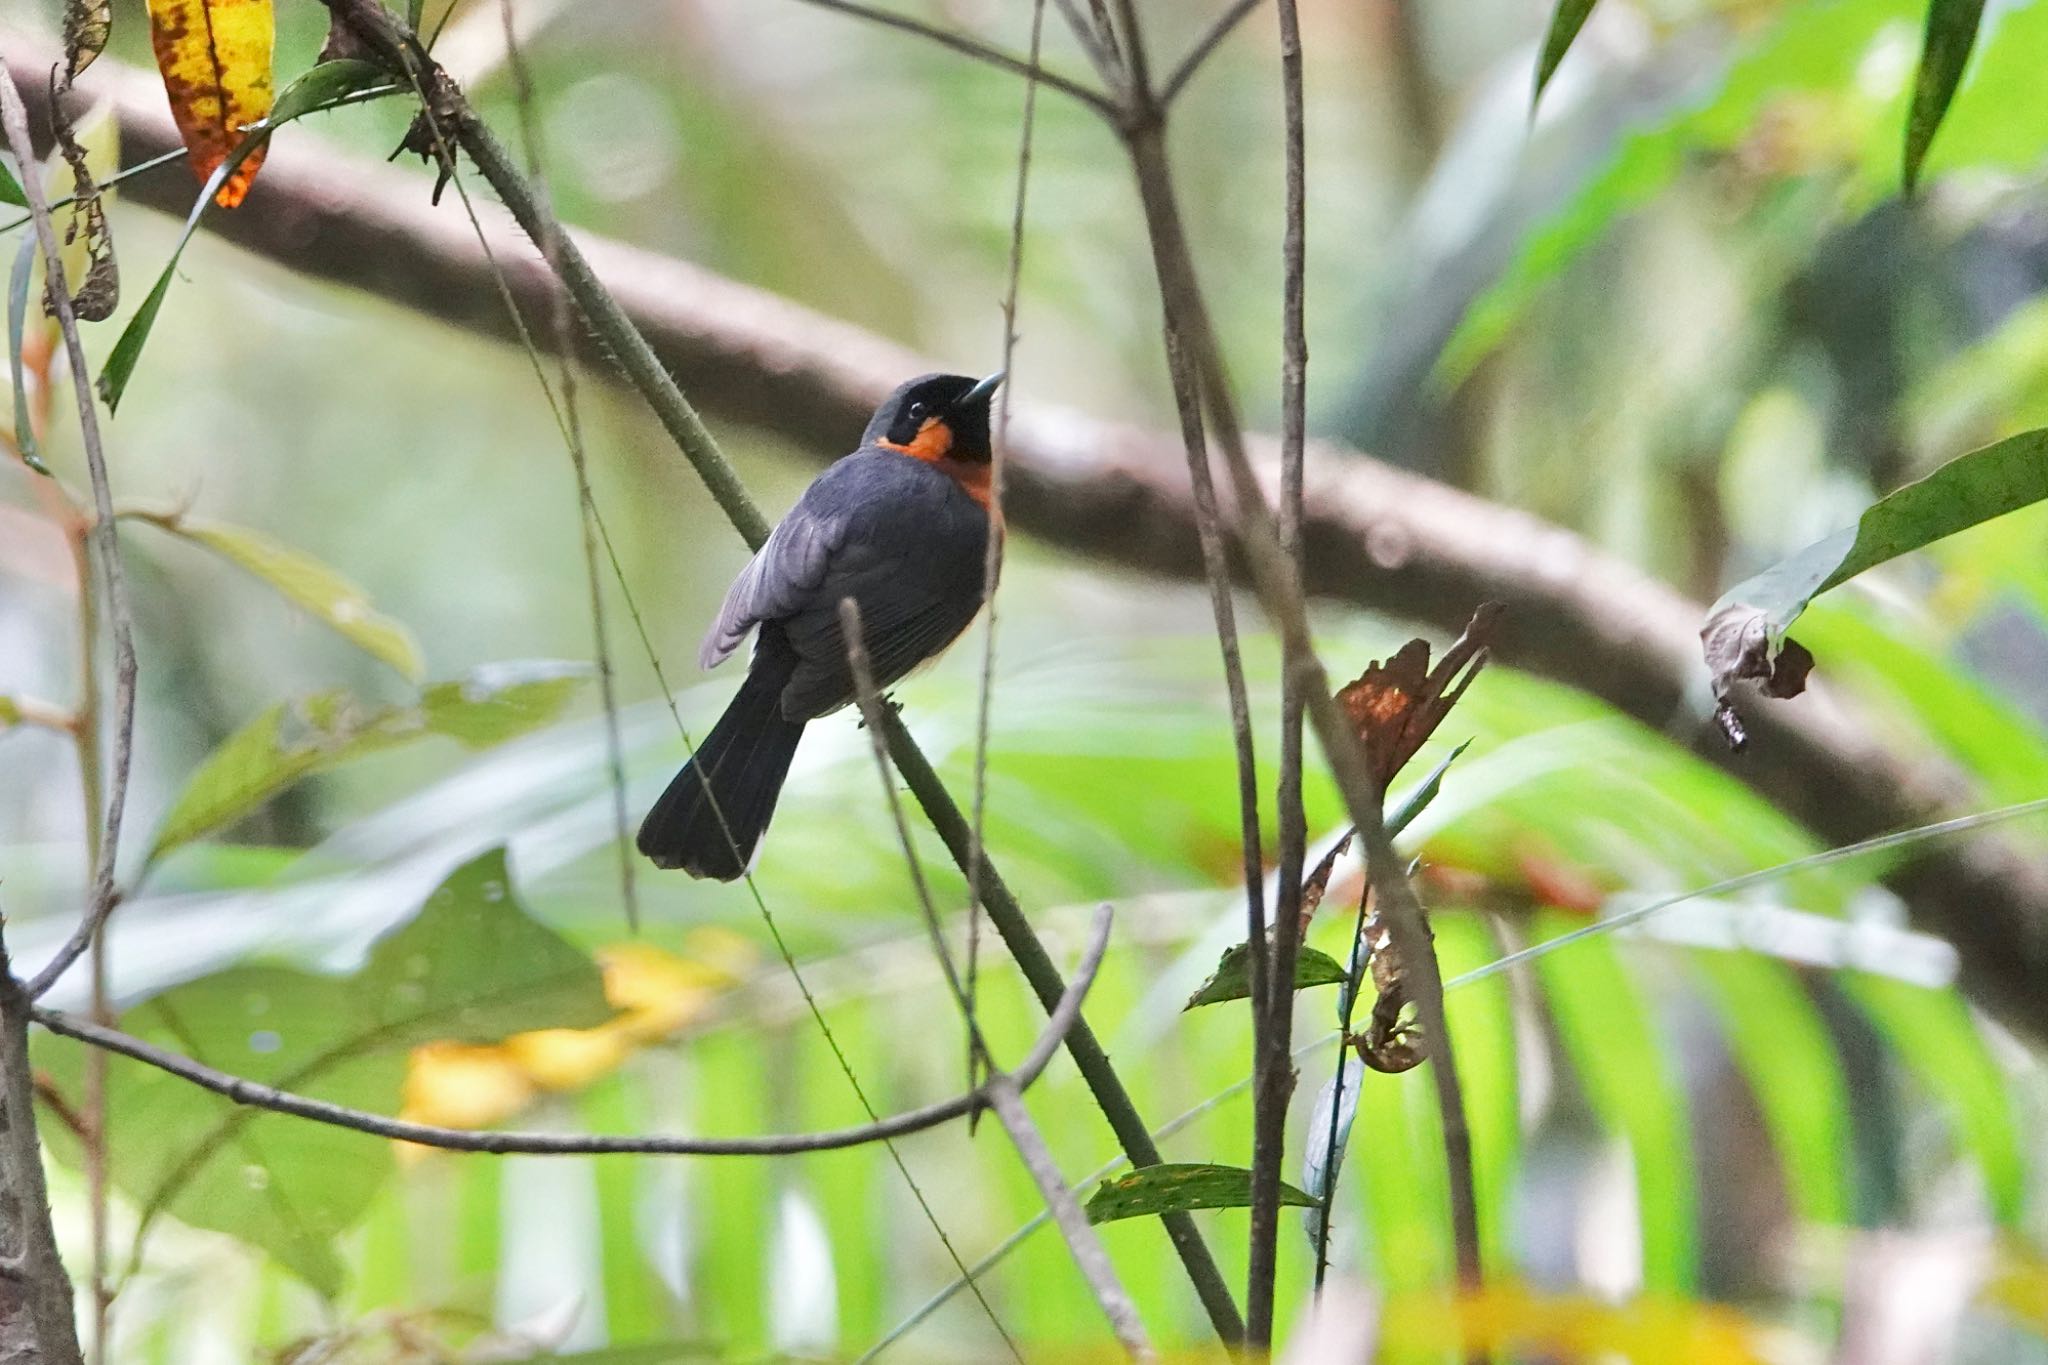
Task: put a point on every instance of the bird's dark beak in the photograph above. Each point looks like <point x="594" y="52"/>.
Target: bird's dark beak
<point x="981" y="392"/>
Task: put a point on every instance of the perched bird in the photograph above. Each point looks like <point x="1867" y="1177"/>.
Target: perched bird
<point x="901" y="526"/>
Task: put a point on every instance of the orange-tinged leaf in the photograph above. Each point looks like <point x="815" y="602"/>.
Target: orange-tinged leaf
<point x="568" y="1058"/>
<point x="656" y="992"/>
<point x="215" y="60"/>
<point x="463" y="1085"/>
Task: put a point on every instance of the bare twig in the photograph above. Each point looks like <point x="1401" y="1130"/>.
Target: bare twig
<point x="400" y="51"/>
<point x="106" y="548"/>
<point x="1080" y="1236"/>
<point x="1000" y="1089"/>
<point x="28" y="1243"/>
<point x="871" y="709"/>
<point x="572" y="423"/>
<point x="970" y="47"/>
<point x="1064" y="1017"/>
<point x="992" y="561"/>
<point x="100" y="542"/>
<point x="1273" y="1083"/>
<point x="1382" y="539"/>
<point x="1354" y="977"/>
<point x="1204" y="46"/>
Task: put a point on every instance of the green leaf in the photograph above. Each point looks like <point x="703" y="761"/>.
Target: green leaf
<point x="1417" y="800"/>
<point x="1177" y="1186"/>
<point x="1787" y="1057"/>
<point x="466" y="970"/>
<point x="1232" y="978"/>
<point x="1951" y="33"/>
<point x="17" y="322"/>
<point x="309" y="583"/>
<point x="1754" y="614"/>
<point x="120" y="366"/>
<point x="11" y="191"/>
<point x="1939" y="1044"/>
<point x="293" y="740"/>
<point x="1816" y="46"/>
<point x="1605" y="1027"/>
<point x="322" y="87"/>
<point x="1565" y="24"/>
<point x="471" y="966"/>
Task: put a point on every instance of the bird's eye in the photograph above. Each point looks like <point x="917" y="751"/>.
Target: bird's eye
<point x="917" y="411"/>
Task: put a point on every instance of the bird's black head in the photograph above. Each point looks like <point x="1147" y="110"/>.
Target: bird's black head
<point x="937" y="417"/>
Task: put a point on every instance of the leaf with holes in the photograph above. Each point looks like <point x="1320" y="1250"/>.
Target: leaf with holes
<point x="1178" y="1186"/>
<point x="1744" y="635"/>
<point x="470" y="966"/>
<point x="1951" y="33"/>
<point x="294" y="740"/>
<point x="215" y="60"/>
<point x="308" y="582"/>
<point x="87" y="23"/>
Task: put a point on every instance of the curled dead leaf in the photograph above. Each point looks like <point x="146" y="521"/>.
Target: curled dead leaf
<point x="87" y="24"/>
<point x="96" y="289"/>
<point x="1318" y="884"/>
<point x="1740" y="655"/>
<point x="1389" y="1044"/>
<point x="1397" y="705"/>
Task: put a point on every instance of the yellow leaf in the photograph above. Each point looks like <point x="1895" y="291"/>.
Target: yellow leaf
<point x="459" y="1085"/>
<point x="2019" y="1286"/>
<point x="1509" y="1319"/>
<point x="215" y="60"/>
<point x="568" y="1058"/>
<point x="656" y="992"/>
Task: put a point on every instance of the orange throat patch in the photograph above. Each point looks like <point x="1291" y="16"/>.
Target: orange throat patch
<point x="934" y="445"/>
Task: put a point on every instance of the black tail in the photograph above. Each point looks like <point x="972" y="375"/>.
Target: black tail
<point x="743" y="762"/>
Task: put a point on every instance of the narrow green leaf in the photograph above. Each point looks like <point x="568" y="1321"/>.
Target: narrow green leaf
<point x="471" y="966"/>
<point x="312" y="585"/>
<point x="1232" y="978"/>
<point x="1177" y="1186"/>
<point x="1605" y="1026"/>
<point x="1565" y="23"/>
<point x="293" y="740"/>
<point x="1417" y="801"/>
<point x="321" y="87"/>
<point x="1940" y="1046"/>
<point x="17" y="322"/>
<point x="1972" y="488"/>
<point x="1951" y="33"/>
<point x="120" y="366"/>
<point x="1788" y="1058"/>
<point x="11" y="191"/>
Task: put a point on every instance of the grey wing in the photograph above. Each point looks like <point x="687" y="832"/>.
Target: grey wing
<point x="911" y="608"/>
<point x="781" y="579"/>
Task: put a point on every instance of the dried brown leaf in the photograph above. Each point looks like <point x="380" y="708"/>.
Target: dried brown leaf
<point x="1397" y="705"/>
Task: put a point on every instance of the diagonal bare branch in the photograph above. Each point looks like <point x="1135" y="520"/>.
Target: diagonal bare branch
<point x="1378" y="538"/>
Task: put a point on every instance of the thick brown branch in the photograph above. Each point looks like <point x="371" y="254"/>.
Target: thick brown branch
<point x="1376" y="537"/>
